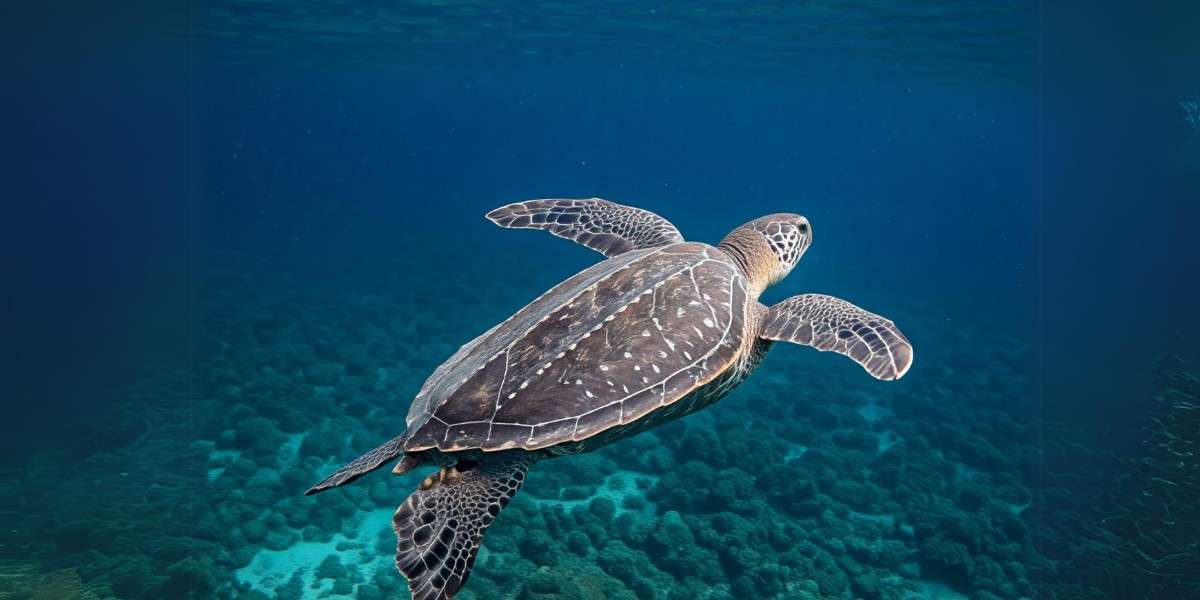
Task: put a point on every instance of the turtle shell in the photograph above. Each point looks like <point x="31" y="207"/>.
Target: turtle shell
<point x="611" y="345"/>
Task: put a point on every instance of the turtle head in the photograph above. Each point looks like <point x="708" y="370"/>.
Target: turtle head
<point x="767" y="248"/>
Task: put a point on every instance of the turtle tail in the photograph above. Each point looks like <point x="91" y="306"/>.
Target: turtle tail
<point x="439" y="527"/>
<point x="362" y="465"/>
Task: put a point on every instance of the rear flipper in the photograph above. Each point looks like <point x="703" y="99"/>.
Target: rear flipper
<point x="363" y="465"/>
<point x="438" y="528"/>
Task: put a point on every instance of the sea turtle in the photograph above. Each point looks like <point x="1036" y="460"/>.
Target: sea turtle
<point x="661" y="328"/>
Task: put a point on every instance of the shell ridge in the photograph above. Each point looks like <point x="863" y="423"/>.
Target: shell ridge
<point x="432" y="410"/>
<point x="471" y="433"/>
<point x="499" y="390"/>
<point x="662" y="382"/>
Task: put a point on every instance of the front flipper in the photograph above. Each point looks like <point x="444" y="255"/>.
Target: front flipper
<point x="603" y="226"/>
<point x="828" y="323"/>
<point x="438" y="528"/>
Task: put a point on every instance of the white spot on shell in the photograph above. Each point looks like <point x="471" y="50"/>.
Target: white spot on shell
<point x="709" y="323"/>
<point x="512" y="395"/>
<point x="637" y="367"/>
<point x="603" y="367"/>
<point x="645" y="333"/>
<point x="656" y="369"/>
<point x="589" y="393"/>
<point x="628" y="355"/>
<point x="578" y="382"/>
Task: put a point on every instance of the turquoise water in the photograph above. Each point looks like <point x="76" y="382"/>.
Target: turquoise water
<point x="246" y="232"/>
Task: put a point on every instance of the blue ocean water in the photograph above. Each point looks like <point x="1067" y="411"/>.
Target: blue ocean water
<point x="240" y="235"/>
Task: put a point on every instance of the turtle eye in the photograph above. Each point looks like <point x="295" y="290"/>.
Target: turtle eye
<point x="803" y="227"/>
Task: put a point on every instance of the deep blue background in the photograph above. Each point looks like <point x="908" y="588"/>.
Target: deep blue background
<point x="1056" y="204"/>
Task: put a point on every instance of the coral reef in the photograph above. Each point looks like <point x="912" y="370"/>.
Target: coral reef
<point x="1130" y="533"/>
<point x="1191" y="111"/>
<point x="809" y="482"/>
<point x="28" y="580"/>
